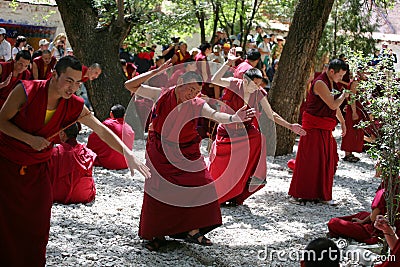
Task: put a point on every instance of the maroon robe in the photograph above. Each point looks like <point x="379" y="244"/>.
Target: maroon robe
<point x="106" y="156"/>
<point x="71" y="167"/>
<point x="25" y="193"/>
<point x="179" y="196"/>
<point x="241" y="69"/>
<point x="353" y="141"/>
<point x="7" y="69"/>
<point x="366" y="233"/>
<point x="84" y="71"/>
<point x="394" y="257"/>
<point x="239" y="151"/>
<point x="317" y="156"/>
<point x="42" y="75"/>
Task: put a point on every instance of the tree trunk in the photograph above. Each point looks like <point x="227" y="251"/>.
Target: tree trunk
<point x="92" y="44"/>
<point x="289" y="82"/>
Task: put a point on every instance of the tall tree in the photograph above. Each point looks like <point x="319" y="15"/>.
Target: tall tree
<point x="93" y="42"/>
<point x="289" y="83"/>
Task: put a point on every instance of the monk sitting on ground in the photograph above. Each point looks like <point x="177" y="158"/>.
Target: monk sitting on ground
<point x="72" y="166"/>
<point x="106" y="156"/>
<point x="360" y="226"/>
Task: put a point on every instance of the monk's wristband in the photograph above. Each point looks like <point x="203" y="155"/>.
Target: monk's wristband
<point x="230" y="118"/>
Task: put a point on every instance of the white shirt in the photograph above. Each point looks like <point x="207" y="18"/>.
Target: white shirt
<point x="264" y="47"/>
<point x="5" y="50"/>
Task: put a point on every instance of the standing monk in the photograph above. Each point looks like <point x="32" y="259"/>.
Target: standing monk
<point x="13" y="71"/>
<point x="30" y="119"/>
<point x="180" y="199"/>
<point x="238" y="153"/>
<point x="317" y="156"/>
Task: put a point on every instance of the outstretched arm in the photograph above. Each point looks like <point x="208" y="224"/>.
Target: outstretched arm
<point x="217" y="77"/>
<point x="133" y="84"/>
<point x="111" y="139"/>
<point x="296" y="128"/>
<point x="243" y="114"/>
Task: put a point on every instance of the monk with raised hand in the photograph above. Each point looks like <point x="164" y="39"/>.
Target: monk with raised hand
<point x="33" y="114"/>
<point x="179" y="199"/>
<point x="238" y="155"/>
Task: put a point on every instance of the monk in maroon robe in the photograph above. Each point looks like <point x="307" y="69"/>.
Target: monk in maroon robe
<point x="353" y="141"/>
<point x="179" y="199"/>
<point x="238" y="157"/>
<point x="33" y="114"/>
<point x="13" y="71"/>
<point x="107" y="157"/>
<point x="360" y="226"/>
<point x="91" y="73"/>
<point x="71" y="167"/>
<point x="392" y="239"/>
<point x="251" y="61"/>
<point x="43" y="66"/>
<point x="317" y="156"/>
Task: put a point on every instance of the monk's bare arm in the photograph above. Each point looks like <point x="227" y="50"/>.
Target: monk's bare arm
<point x="35" y="71"/>
<point x="133" y="84"/>
<point x="217" y="78"/>
<point x="322" y="90"/>
<point x="340" y="118"/>
<point x="242" y="114"/>
<point x="112" y="140"/>
<point x="10" y="108"/>
<point x="296" y="128"/>
<point x="152" y="93"/>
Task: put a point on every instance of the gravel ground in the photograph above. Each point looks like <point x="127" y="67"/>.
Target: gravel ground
<point x="267" y="231"/>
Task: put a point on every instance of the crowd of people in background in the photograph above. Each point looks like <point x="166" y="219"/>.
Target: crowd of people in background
<point x="222" y="71"/>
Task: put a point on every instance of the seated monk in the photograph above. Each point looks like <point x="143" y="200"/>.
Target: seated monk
<point x="392" y="240"/>
<point x="71" y="166"/>
<point x="106" y="156"/>
<point x="360" y="226"/>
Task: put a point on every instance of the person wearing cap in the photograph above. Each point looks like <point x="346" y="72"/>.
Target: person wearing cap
<point x="265" y="50"/>
<point x="43" y="45"/>
<point x="43" y="66"/>
<point x="5" y="46"/>
<point x="13" y="71"/>
<point x="277" y="49"/>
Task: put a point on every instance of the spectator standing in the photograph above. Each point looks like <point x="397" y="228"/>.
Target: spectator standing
<point x="5" y="46"/>
<point x="43" y="45"/>
<point x="18" y="46"/>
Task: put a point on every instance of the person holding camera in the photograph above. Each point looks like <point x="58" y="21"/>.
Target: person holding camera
<point x="169" y="51"/>
<point x="58" y="46"/>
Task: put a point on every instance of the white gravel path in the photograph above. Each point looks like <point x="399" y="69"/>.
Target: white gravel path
<point x="104" y="233"/>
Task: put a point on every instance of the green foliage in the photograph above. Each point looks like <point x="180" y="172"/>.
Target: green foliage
<point x="380" y="96"/>
<point x="350" y="22"/>
<point x="281" y="10"/>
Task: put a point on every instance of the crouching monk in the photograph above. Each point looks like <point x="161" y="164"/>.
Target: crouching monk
<point x="71" y="167"/>
<point x="179" y="199"/>
<point x="32" y="116"/>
